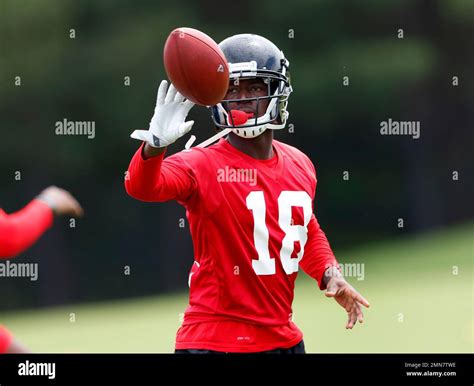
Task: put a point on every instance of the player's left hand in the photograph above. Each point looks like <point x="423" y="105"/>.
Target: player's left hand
<point x="339" y="289"/>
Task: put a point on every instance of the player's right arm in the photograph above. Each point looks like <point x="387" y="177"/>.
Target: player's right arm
<point x="150" y="177"/>
<point x="18" y="231"/>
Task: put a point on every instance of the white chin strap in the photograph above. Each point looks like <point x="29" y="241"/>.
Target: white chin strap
<point x="255" y="131"/>
<point x="215" y="138"/>
<point x="208" y="141"/>
<point x="249" y="133"/>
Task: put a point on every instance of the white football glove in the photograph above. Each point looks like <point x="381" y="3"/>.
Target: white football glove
<point x="168" y="122"/>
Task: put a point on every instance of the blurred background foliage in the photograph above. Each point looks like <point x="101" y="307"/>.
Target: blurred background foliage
<point x="82" y="79"/>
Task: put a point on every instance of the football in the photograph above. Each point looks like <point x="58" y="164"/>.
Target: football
<point x="196" y="66"/>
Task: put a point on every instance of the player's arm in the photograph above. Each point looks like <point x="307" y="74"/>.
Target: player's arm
<point x="318" y="255"/>
<point x="18" y="231"/>
<point x="320" y="263"/>
<point x="149" y="151"/>
<point x="150" y="177"/>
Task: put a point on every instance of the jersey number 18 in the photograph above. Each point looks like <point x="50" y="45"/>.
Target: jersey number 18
<point x="265" y="264"/>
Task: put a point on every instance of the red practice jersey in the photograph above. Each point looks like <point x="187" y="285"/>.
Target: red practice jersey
<point x="252" y="226"/>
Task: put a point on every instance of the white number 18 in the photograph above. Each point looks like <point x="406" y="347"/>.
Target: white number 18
<point x="265" y="265"/>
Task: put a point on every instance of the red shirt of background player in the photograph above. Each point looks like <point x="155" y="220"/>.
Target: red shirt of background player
<point x="20" y="230"/>
<point x="248" y="230"/>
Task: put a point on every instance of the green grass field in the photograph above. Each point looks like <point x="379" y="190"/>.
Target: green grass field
<point x="417" y="305"/>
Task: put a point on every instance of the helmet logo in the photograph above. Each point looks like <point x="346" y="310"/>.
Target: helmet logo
<point x="243" y="69"/>
<point x="220" y="68"/>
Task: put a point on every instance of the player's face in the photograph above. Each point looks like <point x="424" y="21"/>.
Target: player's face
<point x="248" y="88"/>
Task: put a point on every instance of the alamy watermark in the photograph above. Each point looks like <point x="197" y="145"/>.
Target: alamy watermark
<point x="391" y="127"/>
<point x="28" y="270"/>
<point x="228" y="174"/>
<point x="356" y="270"/>
<point x="65" y="127"/>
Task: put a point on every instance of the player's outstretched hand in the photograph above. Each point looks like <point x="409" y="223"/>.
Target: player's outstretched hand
<point x="61" y="202"/>
<point x="339" y="289"/>
<point x="169" y="120"/>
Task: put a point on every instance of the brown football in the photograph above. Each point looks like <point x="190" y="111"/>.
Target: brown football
<point x="196" y="66"/>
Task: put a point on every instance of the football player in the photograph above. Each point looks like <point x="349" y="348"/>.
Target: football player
<point x="249" y="202"/>
<point x="20" y="230"/>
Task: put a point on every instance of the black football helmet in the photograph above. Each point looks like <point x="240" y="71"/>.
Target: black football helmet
<point x="252" y="56"/>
